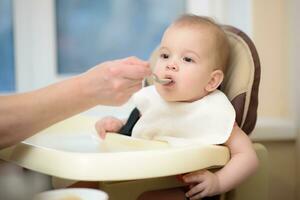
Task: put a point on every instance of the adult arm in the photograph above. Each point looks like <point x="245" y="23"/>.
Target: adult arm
<point x="109" y="83"/>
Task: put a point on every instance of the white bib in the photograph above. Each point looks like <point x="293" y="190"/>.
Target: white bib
<point x="206" y="121"/>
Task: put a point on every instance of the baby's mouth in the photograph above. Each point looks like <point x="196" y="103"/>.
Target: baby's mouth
<point x="172" y="82"/>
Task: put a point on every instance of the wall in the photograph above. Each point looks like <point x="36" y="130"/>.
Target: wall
<point x="282" y="161"/>
<point x="270" y="37"/>
<point x="274" y="33"/>
<point x="295" y="46"/>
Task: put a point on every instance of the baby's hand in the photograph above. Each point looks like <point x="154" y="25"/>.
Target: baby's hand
<point x="108" y="124"/>
<point x="202" y="183"/>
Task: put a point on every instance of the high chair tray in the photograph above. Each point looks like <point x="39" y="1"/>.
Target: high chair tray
<point x="72" y="150"/>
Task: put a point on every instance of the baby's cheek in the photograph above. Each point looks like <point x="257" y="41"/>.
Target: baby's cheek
<point x="159" y="67"/>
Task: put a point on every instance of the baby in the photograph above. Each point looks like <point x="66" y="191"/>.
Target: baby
<point x="193" y="55"/>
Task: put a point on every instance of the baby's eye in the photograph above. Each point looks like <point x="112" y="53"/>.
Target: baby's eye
<point x="188" y="59"/>
<point x="164" y="56"/>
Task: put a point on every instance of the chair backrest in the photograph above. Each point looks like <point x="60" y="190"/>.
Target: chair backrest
<point x="241" y="79"/>
<point x="241" y="82"/>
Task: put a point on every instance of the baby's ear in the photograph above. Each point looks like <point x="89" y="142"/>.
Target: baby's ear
<point x="216" y="78"/>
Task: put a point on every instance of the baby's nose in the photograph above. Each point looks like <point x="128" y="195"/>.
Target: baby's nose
<point x="172" y="66"/>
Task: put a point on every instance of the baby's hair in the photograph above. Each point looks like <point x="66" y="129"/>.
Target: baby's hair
<point x="221" y="41"/>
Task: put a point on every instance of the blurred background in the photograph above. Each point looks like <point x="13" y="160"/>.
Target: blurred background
<point x="44" y="41"/>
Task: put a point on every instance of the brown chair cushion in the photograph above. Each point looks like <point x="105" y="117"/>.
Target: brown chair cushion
<point x="242" y="78"/>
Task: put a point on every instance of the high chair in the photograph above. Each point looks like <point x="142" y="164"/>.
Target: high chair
<point x="126" y="167"/>
<point x="241" y="85"/>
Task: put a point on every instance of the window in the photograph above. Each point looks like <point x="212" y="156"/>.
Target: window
<point x="7" y="73"/>
<point x="90" y="32"/>
<point x="66" y="37"/>
<point x="69" y="36"/>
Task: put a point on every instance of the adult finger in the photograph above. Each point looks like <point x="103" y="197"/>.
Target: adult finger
<point x="136" y="83"/>
<point x="134" y="60"/>
<point x="128" y="92"/>
<point x="123" y="95"/>
<point x="127" y="83"/>
<point x="134" y="88"/>
<point x="135" y="72"/>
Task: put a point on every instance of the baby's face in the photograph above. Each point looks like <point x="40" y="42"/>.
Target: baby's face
<point x="185" y="57"/>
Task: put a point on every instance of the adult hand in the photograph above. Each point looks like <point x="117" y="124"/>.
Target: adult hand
<point x="113" y="82"/>
<point x="109" y="83"/>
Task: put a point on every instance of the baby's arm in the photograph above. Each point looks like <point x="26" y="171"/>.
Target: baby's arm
<point x="108" y="124"/>
<point x="112" y="124"/>
<point x="242" y="164"/>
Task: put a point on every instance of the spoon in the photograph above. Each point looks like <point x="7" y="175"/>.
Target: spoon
<point x="162" y="81"/>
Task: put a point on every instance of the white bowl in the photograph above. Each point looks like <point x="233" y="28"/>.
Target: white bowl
<point x="72" y="194"/>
